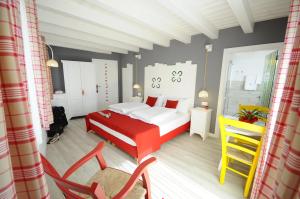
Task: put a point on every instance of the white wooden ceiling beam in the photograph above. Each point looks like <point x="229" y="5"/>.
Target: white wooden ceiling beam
<point x="198" y="22"/>
<point x="85" y="11"/>
<point x="61" y="31"/>
<point x="50" y="17"/>
<point x="59" y="38"/>
<point x="159" y="26"/>
<point x="74" y="46"/>
<point x="243" y="14"/>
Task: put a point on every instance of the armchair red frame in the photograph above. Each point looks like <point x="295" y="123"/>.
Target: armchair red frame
<point x="95" y="190"/>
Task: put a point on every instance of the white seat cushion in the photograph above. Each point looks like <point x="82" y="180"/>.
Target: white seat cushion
<point x="113" y="180"/>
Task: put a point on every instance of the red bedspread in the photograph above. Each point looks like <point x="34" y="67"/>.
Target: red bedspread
<point x="146" y="136"/>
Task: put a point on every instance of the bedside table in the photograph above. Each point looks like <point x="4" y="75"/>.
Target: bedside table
<point x="136" y="99"/>
<point x="200" y="121"/>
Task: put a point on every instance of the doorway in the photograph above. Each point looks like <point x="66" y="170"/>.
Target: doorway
<point x="250" y="79"/>
<point x="247" y="78"/>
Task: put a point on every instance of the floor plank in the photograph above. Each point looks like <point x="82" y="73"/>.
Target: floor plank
<point x="186" y="167"/>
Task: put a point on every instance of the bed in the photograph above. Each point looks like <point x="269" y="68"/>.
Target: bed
<point x="133" y="135"/>
<point x="128" y="125"/>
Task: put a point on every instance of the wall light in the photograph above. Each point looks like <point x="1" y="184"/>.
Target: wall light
<point x="136" y="86"/>
<point x="203" y="94"/>
<point x="51" y="62"/>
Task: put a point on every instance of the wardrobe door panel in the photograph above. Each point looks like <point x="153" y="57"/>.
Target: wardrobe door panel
<point x="88" y="82"/>
<point x="100" y="81"/>
<point x="72" y="75"/>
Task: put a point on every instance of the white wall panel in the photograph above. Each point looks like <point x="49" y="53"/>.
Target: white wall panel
<point x="177" y="80"/>
<point x="127" y="82"/>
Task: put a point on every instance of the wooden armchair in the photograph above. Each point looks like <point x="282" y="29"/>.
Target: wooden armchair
<point x="106" y="183"/>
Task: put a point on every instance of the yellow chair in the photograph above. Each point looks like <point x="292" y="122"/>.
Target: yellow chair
<point x="262" y="109"/>
<point x="247" y="154"/>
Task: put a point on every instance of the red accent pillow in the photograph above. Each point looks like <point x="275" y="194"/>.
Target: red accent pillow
<point x="171" y="104"/>
<point x="151" y="101"/>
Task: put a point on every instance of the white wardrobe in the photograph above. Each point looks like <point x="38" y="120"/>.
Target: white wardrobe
<point x="90" y="86"/>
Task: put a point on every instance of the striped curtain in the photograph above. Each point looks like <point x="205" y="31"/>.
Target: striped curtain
<point x="21" y="172"/>
<point x="278" y="173"/>
<point x="40" y="70"/>
<point x="48" y="69"/>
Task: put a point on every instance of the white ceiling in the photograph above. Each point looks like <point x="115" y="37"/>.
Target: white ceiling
<point x="120" y="26"/>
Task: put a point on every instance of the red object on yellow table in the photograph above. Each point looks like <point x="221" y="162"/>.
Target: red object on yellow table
<point x="251" y="121"/>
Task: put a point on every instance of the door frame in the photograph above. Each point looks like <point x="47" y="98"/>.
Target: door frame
<point x="227" y="54"/>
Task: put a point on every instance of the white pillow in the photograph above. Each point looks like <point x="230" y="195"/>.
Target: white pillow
<point x="184" y="105"/>
<point x="160" y="100"/>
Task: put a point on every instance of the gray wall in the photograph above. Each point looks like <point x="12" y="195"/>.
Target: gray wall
<point x="61" y="53"/>
<point x="264" y="32"/>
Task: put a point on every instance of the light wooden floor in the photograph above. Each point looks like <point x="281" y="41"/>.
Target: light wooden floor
<point x="186" y="167"/>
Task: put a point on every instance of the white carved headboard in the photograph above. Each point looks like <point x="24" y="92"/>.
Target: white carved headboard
<point x="178" y="81"/>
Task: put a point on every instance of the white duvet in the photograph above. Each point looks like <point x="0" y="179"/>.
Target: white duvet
<point x="126" y="108"/>
<point x="153" y="115"/>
